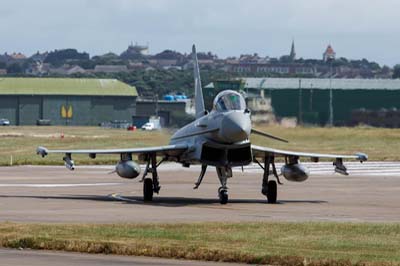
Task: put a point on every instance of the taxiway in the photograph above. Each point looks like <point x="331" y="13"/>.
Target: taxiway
<point x="90" y="195"/>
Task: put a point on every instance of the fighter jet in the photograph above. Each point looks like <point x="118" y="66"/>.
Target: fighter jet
<point x="217" y="138"/>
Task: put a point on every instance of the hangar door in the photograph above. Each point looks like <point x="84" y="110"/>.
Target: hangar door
<point x="29" y="110"/>
<point x="8" y="108"/>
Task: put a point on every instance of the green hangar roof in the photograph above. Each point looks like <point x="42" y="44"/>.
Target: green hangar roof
<point x="65" y="86"/>
<point x="315" y="83"/>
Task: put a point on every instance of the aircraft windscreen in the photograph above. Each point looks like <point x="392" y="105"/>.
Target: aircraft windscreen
<point x="229" y="100"/>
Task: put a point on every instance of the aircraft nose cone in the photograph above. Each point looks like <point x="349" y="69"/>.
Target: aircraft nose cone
<point x="235" y="127"/>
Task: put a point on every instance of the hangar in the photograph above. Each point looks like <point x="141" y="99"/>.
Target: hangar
<point x="65" y="101"/>
<point x="313" y="100"/>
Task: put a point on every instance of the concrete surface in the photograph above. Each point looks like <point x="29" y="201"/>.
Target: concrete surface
<point x="9" y="257"/>
<point x="91" y="195"/>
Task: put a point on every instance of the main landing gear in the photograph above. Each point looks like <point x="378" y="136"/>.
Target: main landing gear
<point x="151" y="185"/>
<point x="269" y="187"/>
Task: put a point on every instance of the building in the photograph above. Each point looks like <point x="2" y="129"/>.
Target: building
<point x="65" y="70"/>
<point x="110" y="68"/>
<point x="329" y="54"/>
<point x="274" y="68"/>
<point x="17" y="56"/>
<point x="63" y="101"/>
<point x="309" y="99"/>
<point x="292" y="52"/>
<point x="166" y="110"/>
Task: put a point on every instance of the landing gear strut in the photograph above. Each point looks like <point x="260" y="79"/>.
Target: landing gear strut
<point x="269" y="187"/>
<point x="200" y="179"/>
<point x="152" y="184"/>
<point x="223" y="174"/>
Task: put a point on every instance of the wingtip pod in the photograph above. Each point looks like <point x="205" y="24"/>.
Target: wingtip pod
<point x="362" y="157"/>
<point x="42" y="151"/>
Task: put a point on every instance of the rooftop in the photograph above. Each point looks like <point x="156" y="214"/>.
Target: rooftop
<point x="65" y="86"/>
<point x="308" y="83"/>
<point x="329" y="50"/>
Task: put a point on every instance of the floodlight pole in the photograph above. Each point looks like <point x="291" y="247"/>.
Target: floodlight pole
<point x="300" y="103"/>
<point x="330" y="97"/>
<point x="156" y="104"/>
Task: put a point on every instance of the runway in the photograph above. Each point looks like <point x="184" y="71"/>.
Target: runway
<point x="53" y="194"/>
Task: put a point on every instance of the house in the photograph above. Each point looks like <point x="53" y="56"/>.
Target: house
<point x="67" y="70"/>
<point x="110" y="68"/>
<point x="329" y="54"/>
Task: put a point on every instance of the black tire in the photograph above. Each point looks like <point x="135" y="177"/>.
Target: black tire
<point x="272" y="191"/>
<point x="148" y="189"/>
<point x="223" y="196"/>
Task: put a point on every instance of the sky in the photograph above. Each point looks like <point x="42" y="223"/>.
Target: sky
<point x="356" y="28"/>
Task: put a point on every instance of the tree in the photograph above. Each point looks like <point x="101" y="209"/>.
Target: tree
<point x="396" y="72"/>
<point x="15" y="68"/>
<point x="59" y="57"/>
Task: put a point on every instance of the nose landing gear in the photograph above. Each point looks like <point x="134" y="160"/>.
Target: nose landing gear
<point x="223" y="174"/>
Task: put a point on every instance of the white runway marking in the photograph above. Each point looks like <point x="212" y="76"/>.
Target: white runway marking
<point x="321" y="168"/>
<point x="60" y="185"/>
<point x="121" y="198"/>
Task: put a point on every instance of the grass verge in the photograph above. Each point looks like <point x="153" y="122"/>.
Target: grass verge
<point x="20" y="142"/>
<point x="273" y="243"/>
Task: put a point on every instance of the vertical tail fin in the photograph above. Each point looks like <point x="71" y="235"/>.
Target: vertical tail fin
<point x="198" y="91"/>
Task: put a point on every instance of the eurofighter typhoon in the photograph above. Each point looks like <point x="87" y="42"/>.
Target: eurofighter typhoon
<point x="219" y="138"/>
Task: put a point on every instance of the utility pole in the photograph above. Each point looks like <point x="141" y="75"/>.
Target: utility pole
<point x="330" y="123"/>
<point x="156" y="104"/>
<point x="300" y="104"/>
<point x="311" y="98"/>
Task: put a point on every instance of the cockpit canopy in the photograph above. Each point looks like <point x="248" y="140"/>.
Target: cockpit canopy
<point x="229" y="100"/>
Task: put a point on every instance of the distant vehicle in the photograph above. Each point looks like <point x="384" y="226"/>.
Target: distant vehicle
<point x="177" y="97"/>
<point x="4" y="122"/>
<point x="169" y="97"/>
<point x="153" y="124"/>
<point x="148" y="126"/>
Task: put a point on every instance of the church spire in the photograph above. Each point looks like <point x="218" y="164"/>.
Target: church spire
<point x="293" y="52"/>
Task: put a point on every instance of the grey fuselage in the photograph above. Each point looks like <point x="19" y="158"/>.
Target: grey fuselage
<point x="225" y="141"/>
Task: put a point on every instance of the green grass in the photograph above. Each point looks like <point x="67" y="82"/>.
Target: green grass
<point x="21" y="142"/>
<point x="381" y="144"/>
<point x="308" y="243"/>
